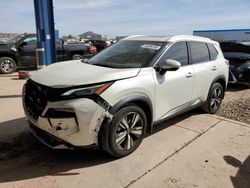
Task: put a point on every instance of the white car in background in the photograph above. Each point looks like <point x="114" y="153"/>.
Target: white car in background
<point x="112" y="99"/>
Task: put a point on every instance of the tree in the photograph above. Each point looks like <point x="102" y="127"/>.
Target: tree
<point x="70" y="37"/>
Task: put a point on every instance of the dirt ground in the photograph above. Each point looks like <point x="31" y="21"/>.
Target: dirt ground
<point x="236" y="104"/>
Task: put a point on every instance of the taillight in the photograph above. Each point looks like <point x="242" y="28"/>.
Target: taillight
<point x="92" y="50"/>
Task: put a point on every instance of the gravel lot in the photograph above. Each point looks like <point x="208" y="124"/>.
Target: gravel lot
<point x="236" y="104"/>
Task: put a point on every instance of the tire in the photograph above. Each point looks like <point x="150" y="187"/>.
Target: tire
<point x="77" y="57"/>
<point x="126" y="131"/>
<point x="7" y="65"/>
<point x="214" y="99"/>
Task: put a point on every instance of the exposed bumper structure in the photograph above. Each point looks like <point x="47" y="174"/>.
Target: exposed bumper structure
<point x="67" y="123"/>
<point x="81" y="129"/>
<point x="239" y="76"/>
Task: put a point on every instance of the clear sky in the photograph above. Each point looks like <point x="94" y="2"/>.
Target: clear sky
<point x="129" y="17"/>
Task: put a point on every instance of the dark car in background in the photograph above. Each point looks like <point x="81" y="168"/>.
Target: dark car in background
<point x="20" y="53"/>
<point x="99" y="44"/>
<point x="238" y="55"/>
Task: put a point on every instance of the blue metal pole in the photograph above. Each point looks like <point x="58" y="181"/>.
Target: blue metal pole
<point x="45" y="31"/>
<point x="48" y="17"/>
<point x="40" y="53"/>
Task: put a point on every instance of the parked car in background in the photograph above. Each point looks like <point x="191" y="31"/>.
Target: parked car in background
<point x="99" y="44"/>
<point x="115" y="97"/>
<point x="20" y="53"/>
<point x="238" y="55"/>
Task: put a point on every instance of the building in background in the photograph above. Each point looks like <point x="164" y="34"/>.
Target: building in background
<point x="5" y="36"/>
<point x="229" y="35"/>
<point x="120" y="37"/>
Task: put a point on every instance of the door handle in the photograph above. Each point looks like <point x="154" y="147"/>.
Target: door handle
<point x="189" y="74"/>
<point x="214" y="68"/>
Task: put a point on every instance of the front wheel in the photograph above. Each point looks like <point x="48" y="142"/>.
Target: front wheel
<point x="215" y="96"/>
<point x="7" y="65"/>
<point x="126" y="131"/>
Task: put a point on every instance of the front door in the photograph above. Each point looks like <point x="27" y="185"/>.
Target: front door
<point x="27" y="52"/>
<point x="173" y="90"/>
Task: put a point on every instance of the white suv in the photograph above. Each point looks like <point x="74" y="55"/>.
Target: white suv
<point x="112" y="99"/>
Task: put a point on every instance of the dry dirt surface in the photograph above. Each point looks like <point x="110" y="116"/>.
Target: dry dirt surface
<point x="236" y="104"/>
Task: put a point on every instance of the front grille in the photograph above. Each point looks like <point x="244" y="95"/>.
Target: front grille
<point x="35" y="99"/>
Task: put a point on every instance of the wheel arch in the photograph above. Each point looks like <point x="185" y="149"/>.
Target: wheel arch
<point x="222" y="80"/>
<point x="12" y="56"/>
<point x="140" y="100"/>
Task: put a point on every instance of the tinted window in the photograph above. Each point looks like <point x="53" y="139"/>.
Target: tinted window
<point x="30" y="40"/>
<point x="199" y="52"/>
<point x="213" y="52"/>
<point x="178" y="52"/>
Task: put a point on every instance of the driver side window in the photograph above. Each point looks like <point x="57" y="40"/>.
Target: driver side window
<point x="31" y="41"/>
<point x="178" y="51"/>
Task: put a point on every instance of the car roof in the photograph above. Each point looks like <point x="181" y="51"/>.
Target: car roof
<point x="173" y="38"/>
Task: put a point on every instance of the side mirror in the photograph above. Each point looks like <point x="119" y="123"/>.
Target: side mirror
<point x="23" y="44"/>
<point x="169" y="65"/>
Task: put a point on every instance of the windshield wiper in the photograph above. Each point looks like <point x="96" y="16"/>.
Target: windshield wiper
<point x="85" y="61"/>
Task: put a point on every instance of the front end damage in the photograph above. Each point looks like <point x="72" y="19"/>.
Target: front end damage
<point x="239" y="75"/>
<point x="66" y="123"/>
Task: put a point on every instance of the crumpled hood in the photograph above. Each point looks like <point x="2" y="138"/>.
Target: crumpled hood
<point x="75" y="73"/>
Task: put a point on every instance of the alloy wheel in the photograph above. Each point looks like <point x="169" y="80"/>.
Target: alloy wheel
<point x="129" y="131"/>
<point x="7" y="66"/>
<point x="216" y="99"/>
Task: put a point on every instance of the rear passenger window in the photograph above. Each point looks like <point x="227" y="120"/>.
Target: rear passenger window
<point x="213" y="52"/>
<point x="178" y="51"/>
<point x="199" y="52"/>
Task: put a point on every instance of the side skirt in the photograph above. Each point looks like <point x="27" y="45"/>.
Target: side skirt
<point x="179" y="110"/>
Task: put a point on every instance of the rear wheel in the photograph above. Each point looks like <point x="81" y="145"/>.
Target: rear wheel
<point x="215" y="96"/>
<point x="77" y="57"/>
<point x="126" y="131"/>
<point x="7" y="65"/>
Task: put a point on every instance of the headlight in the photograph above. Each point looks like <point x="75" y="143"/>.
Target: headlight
<point x="81" y="92"/>
<point x="245" y="66"/>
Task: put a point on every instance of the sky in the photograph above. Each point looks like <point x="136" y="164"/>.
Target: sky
<point x="129" y="17"/>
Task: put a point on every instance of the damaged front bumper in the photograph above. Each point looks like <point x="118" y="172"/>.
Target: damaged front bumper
<point x="68" y="124"/>
<point x="237" y="75"/>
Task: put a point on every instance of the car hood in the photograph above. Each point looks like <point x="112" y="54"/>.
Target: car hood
<point x="4" y="46"/>
<point x="75" y="73"/>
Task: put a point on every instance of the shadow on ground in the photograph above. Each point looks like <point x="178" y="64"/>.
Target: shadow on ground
<point x="242" y="177"/>
<point x="24" y="157"/>
<point x="10" y="96"/>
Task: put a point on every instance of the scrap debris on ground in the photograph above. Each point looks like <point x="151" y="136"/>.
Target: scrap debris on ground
<point x="236" y="104"/>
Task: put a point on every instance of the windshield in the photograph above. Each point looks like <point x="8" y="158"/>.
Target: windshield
<point x="14" y="39"/>
<point x="127" y="54"/>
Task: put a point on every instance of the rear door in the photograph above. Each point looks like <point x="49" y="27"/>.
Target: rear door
<point x="173" y="90"/>
<point x="205" y="69"/>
